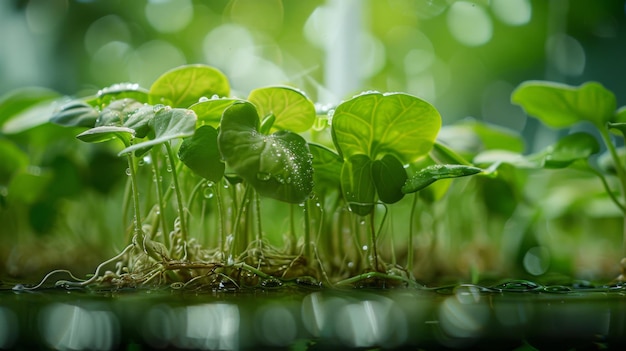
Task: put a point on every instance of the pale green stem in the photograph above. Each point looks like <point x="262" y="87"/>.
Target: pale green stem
<point x="409" y="257"/>
<point x="135" y="191"/>
<point x="307" y="232"/>
<point x="621" y="174"/>
<point x="374" y="251"/>
<point x="179" y="196"/>
<point x="160" y="198"/>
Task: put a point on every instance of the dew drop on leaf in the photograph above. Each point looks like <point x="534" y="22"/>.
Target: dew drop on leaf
<point x="128" y="171"/>
<point x="203" y="99"/>
<point x="263" y="176"/>
<point x="208" y="193"/>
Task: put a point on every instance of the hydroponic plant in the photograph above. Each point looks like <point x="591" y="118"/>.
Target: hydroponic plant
<point x="204" y="167"/>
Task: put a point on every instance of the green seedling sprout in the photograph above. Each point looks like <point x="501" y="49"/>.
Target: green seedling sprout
<point x="561" y="106"/>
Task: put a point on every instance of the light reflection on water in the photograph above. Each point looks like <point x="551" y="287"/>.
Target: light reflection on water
<point x="465" y="316"/>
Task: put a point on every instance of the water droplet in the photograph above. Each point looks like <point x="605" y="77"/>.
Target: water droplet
<point x="350" y="264"/>
<point x="215" y="97"/>
<point x="364" y="248"/>
<point x="208" y="193"/>
<point x="203" y="99"/>
<point x="128" y="171"/>
<point x="264" y="176"/>
<point x="147" y="159"/>
<point x="230" y="261"/>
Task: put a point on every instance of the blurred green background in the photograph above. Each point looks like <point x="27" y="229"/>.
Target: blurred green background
<point x="465" y="57"/>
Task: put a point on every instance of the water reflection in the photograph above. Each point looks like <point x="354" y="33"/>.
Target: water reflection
<point x="457" y="317"/>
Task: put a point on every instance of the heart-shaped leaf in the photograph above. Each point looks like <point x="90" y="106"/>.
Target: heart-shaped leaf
<point x="167" y="124"/>
<point x="433" y="173"/>
<point x="201" y="154"/>
<point x="292" y="109"/>
<point x="559" y="105"/>
<point x="376" y="124"/>
<point x="277" y="165"/>
<point x="389" y="176"/>
<point x="357" y="184"/>
<point x="184" y="86"/>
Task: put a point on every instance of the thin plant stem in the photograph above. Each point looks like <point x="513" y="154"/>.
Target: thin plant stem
<point x="608" y="189"/>
<point x="179" y="196"/>
<point x="221" y="218"/>
<point x="128" y="199"/>
<point x="409" y="256"/>
<point x="135" y="191"/>
<point x="372" y="230"/>
<point x="307" y="232"/>
<point x="259" y="229"/>
<point x="239" y="242"/>
<point x="159" y="187"/>
<point x="292" y="224"/>
<point x="621" y="174"/>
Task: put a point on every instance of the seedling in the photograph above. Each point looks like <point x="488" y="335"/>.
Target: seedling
<point x="561" y="106"/>
<point x="202" y="165"/>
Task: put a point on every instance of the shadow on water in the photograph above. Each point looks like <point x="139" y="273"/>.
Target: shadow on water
<point x="511" y="315"/>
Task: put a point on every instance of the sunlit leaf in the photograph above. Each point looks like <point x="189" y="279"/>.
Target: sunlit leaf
<point x="277" y="165"/>
<point x="327" y="165"/>
<point x="389" y="176"/>
<point x="31" y="117"/>
<point x="184" y="86"/>
<point x="376" y="124"/>
<point x="292" y="109"/>
<point x="357" y="184"/>
<point x="433" y="173"/>
<point x="167" y="124"/>
<point x="558" y="105"/>
<point x="200" y="153"/>
<point x="209" y="112"/>
<point x="128" y="113"/>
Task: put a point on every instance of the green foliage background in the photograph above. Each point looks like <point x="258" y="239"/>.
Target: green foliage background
<point x="330" y="49"/>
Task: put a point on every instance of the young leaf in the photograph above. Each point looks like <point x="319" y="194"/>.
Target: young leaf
<point x="375" y="124"/>
<point x="277" y="165"/>
<point x="357" y="184"/>
<point x="123" y="91"/>
<point x="389" y="176"/>
<point x="558" y="105"/>
<point x="128" y="113"/>
<point x="106" y="133"/>
<point x="167" y="124"/>
<point x="75" y="114"/>
<point x="431" y="174"/>
<point x="201" y="155"/>
<point x="184" y="86"/>
<point x="210" y="112"/>
<point x="30" y="118"/>
<point x="577" y="146"/>
<point x="327" y="165"/>
<point x="20" y="100"/>
<point x="292" y="109"/>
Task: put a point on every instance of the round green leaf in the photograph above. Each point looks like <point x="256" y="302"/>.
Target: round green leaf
<point x="357" y="184"/>
<point x="185" y="85"/>
<point x="210" y="112"/>
<point x="559" y="105"/>
<point x="292" y="109"/>
<point x="277" y="165"/>
<point x="376" y="124"/>
<point x="201" y="155"/>
<point x="167" y="124"/>
<point x="433" y="173"/>
<point x="389" y="176"/>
